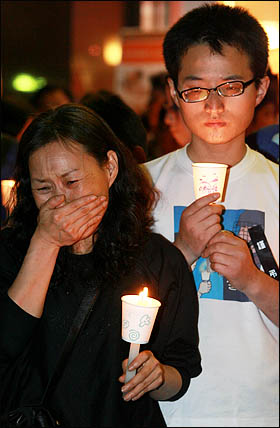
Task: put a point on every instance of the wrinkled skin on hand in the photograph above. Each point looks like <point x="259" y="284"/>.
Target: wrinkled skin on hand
<point x="149" y="376"/>
<point x="63" y="223"/>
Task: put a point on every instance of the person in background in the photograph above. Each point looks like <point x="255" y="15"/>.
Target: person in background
<point x="82" y="221"/>
<point x="125" y="123"/>
<point x="173" y="119"/>
<point x="48" y="97"/>
<point x="263" y="132"/>
<point x="217" y="57"/>
<point x="151" y="117"/>
<point x="160" y="139"/>
<point x="13" y="117"/>
<point x="267" y="112"/>
<point x="266" y="141"/>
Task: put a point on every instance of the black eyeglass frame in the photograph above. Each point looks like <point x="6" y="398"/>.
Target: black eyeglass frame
<point x="244" y="86"/>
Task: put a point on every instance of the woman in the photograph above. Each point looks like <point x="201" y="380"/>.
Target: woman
<point x="82" y="220"/>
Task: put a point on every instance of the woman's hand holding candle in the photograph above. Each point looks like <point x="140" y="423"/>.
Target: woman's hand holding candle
<point x="142" y="372"/>
<point x="149" y="376"/>
<point x="138" y="317"/>
<point x="160" y="380"/>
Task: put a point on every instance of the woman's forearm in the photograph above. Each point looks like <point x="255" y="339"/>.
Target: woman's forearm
<point x="171" y="385"/>
<point x="31" y="284"/>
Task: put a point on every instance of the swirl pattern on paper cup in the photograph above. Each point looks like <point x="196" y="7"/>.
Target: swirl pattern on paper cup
<point x="138" y="319"/>
<point x="133" y="335"/>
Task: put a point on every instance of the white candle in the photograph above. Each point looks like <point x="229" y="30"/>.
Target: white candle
<point x="133" y="352"/>
<point x="138" y="316"/>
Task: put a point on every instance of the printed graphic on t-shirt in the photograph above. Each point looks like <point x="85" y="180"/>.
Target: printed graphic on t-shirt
<point x="210" y="284"/>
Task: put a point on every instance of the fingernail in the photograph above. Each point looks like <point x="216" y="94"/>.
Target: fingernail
<point x="127" y="397"/>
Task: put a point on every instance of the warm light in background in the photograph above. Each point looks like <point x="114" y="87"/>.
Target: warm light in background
<point x="272" y="30"/>
<point x="229" y="3"/>
<point x="27" y="83"/>
<point x="270" y="23"/>
<point x="112" y="51"/>
<point x="274" y="61"/>
<point x="94" y="50"/>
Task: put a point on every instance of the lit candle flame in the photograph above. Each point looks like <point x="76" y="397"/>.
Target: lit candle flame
<point x="143" y="294"/>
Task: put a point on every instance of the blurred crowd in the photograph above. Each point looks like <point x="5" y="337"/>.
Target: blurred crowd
<point x="159" y="130"/>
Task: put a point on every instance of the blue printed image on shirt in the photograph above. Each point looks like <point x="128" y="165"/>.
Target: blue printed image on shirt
<point x="210" y="284"/>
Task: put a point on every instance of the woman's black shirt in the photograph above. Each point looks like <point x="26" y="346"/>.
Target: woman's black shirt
<point x="88" y="393"/>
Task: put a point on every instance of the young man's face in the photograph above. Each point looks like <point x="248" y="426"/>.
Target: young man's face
<point x="217" y="120"/>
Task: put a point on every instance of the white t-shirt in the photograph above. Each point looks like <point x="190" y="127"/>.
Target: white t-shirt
<point x="238" y="343"/>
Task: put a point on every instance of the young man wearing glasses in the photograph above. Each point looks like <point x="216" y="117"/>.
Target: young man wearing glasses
<point x="217" y="58"/>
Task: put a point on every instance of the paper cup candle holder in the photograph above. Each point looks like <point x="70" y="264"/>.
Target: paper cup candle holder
<point x="209" y="178"/>
<point x="138" y="316"/>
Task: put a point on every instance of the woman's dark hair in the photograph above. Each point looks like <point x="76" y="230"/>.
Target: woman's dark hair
<point x="127" y="220"/>
<point x="216" y="25"/>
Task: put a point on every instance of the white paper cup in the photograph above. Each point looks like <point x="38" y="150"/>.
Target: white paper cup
<point x="138" y="320"/>
<point x="209" y="178"/>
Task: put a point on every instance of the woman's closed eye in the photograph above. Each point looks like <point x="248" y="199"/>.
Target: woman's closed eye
<point x="43" y="189"/>
<point x="71" y="182"/>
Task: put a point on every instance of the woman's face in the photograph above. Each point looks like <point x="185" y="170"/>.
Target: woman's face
<point x="57" y="169"/>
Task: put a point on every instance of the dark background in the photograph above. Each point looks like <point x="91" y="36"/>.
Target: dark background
<point x="35" y="40"/>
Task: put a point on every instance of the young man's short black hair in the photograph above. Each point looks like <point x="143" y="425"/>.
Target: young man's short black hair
<point x="216" y="25"/>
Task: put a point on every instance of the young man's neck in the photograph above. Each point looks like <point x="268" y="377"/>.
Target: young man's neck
<point x="228" y="153"/>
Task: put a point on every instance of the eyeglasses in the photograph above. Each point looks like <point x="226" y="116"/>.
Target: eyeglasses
<point x="228" y="89"/>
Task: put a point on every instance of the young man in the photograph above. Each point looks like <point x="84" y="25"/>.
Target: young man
<point x="216" y="57"/>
